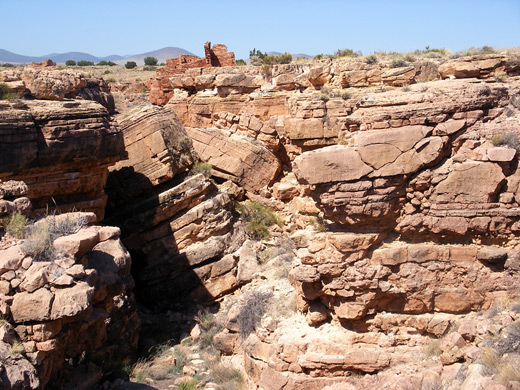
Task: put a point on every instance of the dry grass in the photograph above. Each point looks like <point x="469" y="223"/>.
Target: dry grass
<point x="433" y="348"/>
<point x="226" y="377"/>
<point x="117" y="73"/>
<point x="17" y="348"/>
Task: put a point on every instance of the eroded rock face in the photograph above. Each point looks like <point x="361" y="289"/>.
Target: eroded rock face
<point x="71" y="143"/>
<point x="237" y="158"/>
<point x="59" y="308"/>
<point x="178" y="226"/>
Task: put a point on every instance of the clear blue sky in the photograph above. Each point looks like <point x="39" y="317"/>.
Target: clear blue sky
<point x="104" y="27"/>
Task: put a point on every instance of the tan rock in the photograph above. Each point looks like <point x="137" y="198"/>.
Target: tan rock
<point x="76" y="245"/>
<point x="71" y="301"/>
<point x="11" y="259"/>
<point x="34" y="306"/>
<point x="239" y="159"/>
<point x="330" y="164"/>
<point x="459" y="69"/>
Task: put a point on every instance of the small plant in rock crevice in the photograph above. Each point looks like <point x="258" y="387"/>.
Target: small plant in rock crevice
<point x="506" y="139"/>
<point x="252" y="311"/>
<point x="15" y="224"/>
<point x="226" y="377"/>
<point x="258" y="219"/>
<point x="40" y="236"/>
<point x="202" y="167"/>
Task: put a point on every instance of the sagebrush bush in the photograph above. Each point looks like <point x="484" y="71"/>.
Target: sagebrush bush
<point x="258" y="219"/>
<point x="252" y="311"/>
<point x="41" y="235"/>
<point x="371" y="59"/>
<point x="15" y="224"/>
<point x="398" y="63"/>
<point x="508" y="139"/>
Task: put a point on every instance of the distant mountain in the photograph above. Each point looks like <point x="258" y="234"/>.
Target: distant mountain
<point x="162" y="55"/>
<point x="294" y="56"/>
<point x="7" y="56"/>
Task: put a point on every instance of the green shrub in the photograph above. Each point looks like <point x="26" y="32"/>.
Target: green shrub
<point x="105" y="63"/>
<point x="500" y="76"/>
<point x="179" y="361"/>
<point x="346" y="53"/>
<point x="345" y="95"/>
<point x="110" y="80"/>
<point x="130" y="65"/>
<point x="258" y="219"/>
<point x="40" y="236"/>
<point x="107" y="72"/>
<point x="226" y="377"/>
<point x="318" y="57"/>
<point x="7" y="65"/>
<point x="188" y="385"/>
<point x="252" y="311"/>
<point x="17" y="348"/>
<point x="150" y="61"/>
<point x="398" y="63"/>
<point x="371" y="59"/>
<point x="85" y="63"/>
<point x="241" y="63"/>
<point x="15" y="224"/>
<point x="202" y="167"/>
<point x="508" y="139"/>
<point x="324" y="96"/>
<point x="149" y="68"/>
<point x="70" y="62"/>
<point x="5" y="92"/>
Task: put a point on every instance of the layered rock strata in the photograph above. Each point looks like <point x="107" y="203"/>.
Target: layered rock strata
<point x="178" y="226"/>
<point x="418" y="186"/>
<point x="61" y="150"/>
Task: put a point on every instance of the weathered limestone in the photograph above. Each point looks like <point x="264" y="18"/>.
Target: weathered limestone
<point x="71" y="143"/>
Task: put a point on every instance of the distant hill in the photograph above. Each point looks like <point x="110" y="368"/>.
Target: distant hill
<point x="294" y="56"/>
<point x="162" y="55"/>
<point x="60" y="58"/>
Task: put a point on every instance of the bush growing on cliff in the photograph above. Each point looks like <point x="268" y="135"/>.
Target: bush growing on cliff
<point x="508" y="139"/>
<point x="202" y="167"/>
<point x="41" y="235"/>
<point x="130" y="65"/>
<point x="15" y="225"/>
<point x="5" y="92"/>
<point x="252" y="311"/>
<point x="258" y="219"/>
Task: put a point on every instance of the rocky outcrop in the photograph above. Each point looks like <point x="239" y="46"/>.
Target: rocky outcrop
<point x="178" y="226"/>
<point x="237" y="158"/>
<point x="78" y="301"/>
<point x="61" y="150"/>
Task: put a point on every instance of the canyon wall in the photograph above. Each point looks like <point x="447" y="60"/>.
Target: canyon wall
<point x="415" y="179"/>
